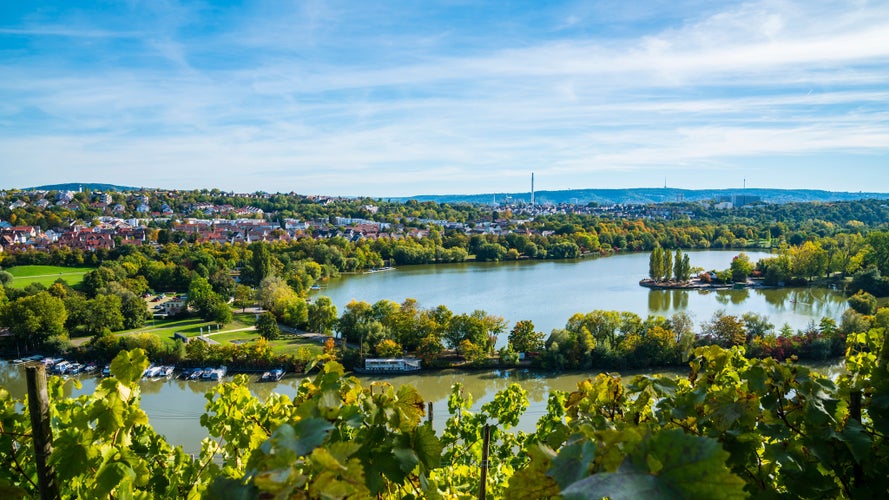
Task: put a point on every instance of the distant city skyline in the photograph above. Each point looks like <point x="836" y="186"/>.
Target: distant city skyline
<point x="393" y="99"/>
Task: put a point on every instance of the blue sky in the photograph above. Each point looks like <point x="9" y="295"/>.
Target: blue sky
<point x="401" y="98"/>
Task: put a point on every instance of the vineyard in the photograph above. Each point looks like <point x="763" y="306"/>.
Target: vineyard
<point x="734" y="428"/>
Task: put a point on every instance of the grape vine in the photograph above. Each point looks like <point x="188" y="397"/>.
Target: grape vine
<point x="734" y="428"/>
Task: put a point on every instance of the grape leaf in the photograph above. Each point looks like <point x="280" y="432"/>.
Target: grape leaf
<point x="689" y="467"/>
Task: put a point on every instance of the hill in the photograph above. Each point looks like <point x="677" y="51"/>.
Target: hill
<point x="76" y="186"/>
<point x="650" y="195"/>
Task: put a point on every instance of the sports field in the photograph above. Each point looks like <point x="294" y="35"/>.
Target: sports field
<point x="46" y="275"/>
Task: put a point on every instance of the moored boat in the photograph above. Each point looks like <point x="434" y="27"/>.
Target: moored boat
<point x="389" y="366"/>
<point x="272" y="375"/>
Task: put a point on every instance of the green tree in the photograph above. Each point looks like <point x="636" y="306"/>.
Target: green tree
<point x="741" y="268"/>
<point x="388" y="348"/>
<point x="218" y="310"/>
<point x="322" y="315"/>
<point x="244" y="297"/>
<point x="681" y="266"/>
<point x="523" y="337"/>
<point x="35" y="318"/>
<point x="261" y="262"/>
<point x="726" y="329"/>
<point x="200" y="294"/>
<point x="103" y="315"/>
<point x="667" y="266"/>
<point x="863" y="303"/>
<point x="656" y="264"/>
<point x="267" y="326"/>
<point x="878" y="252"/>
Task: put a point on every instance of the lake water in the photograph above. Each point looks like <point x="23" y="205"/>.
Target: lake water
<point x="547" y="293"/>
<point x="550" y="292"/>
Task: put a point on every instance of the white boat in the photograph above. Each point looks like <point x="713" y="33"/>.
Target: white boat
<point x="214" y="373"/>
<point x="36" y="357"/>
<point x="389" y="366"/>
<point x="149" y="372"/>
<point x="272" y="376"/>
<point x="74" y="369"/>
<point x="61" y="367"/>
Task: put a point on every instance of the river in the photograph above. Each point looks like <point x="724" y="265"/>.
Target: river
<point x="546" y="292"/>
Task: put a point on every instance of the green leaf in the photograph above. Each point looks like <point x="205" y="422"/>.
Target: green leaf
<point x="689" y="467"/>
<point x="303" y="436"/>
<point x="407" y="459"/>
<point x="111" y="475"/>
<point x="573" y="461"/>
<point x="224" y="488"/>
<point x="127" y="366"/>
<point x="857" y="440"/>
<point x="427" y="446"/>
<point x="10" y="491"/>
<point x="532" y="481"/>
<point x="410" y="406"/>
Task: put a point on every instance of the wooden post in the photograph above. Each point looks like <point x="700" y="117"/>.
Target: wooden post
<point x="429" y="412"/>
<point x="486" y="441"/>
<point x="38" y="404"/>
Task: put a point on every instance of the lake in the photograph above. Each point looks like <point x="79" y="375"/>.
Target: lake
<point x="550" y="292"/>
<point x="545" y="292"/>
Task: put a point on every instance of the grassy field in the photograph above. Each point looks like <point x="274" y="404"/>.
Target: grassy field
<point x="237" y="331"/>
<point x="46" y="275"/>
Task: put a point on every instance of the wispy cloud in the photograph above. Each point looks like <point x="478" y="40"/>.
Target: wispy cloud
<point x="399" y="101"/>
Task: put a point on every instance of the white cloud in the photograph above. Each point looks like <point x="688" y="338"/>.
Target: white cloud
<point x="759" y="80"/>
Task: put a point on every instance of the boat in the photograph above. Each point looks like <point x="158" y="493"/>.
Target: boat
<point x="106" y="372"/>
<point x="195" y="374"/>
<point x="164" y="371"/>
<point x="74" y="369"/>
<point x="61" y="367"/>
<point x="389" y="366"/>
<point x="214" y="373"/>
<point x="36" y="357"/>
<point x="272" y="376"/>
<point x="149" y="372"/>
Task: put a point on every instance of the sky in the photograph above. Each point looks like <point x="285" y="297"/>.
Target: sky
<point x="400" y="98"/>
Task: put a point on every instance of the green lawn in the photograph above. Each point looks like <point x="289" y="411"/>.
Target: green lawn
<point x="46" y="275"/>
<point x="231" y="332"/>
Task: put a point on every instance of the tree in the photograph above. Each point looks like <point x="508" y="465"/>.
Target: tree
<point x="267" y="326"/>
<point x="667" y="267"/>
<point x="104" y="315"/>
<point x="863" y="303"/>
<point x="656" y="264"/>
<point x="322" y="315"/>
<point x="35" y="318"/>
<point x="244" y="297"/>
<point x="430" y="347"/>
<point x="757" y="325"/>
<point x="6" y="278"/>
<point x="523" y="338"/>
<point x="200" y="295"/>
<point x="218" y="310"/>
<point x="878" y="253"/>
<point x="741" y="267"/>
<point x="388" y="348"/>
<point x="728" y="330"/>
<point x="261" y="262"/>
<point x="681" y="266"/>
<point x="134" y="310"/>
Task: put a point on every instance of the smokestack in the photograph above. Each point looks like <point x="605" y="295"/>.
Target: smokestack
<point x="532" y="188"/>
